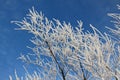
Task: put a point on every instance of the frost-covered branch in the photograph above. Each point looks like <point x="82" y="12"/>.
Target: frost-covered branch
<point x="116" y="17"/>
<point x="69" y="53"/>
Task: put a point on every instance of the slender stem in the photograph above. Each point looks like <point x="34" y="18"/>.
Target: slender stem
<point x="61" y="70"/>
<point x="84" y="78"/>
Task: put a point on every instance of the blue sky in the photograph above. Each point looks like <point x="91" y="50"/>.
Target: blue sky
<point x="13" y="42"/>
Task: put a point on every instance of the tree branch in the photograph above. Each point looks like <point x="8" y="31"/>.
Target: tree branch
<point x="61" y="70"/>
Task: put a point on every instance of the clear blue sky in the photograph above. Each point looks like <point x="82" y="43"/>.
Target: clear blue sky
<point x="13" y="42"/>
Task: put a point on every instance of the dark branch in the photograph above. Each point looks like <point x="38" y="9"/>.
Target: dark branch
<point x="61" y="70"/>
